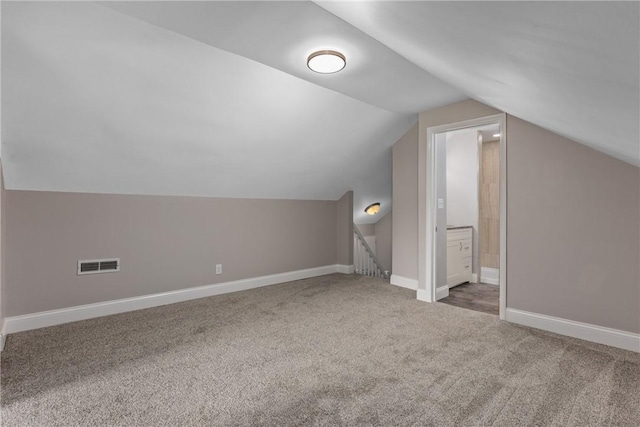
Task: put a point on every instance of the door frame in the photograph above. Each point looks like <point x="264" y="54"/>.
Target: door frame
<point x="427" y="206"/>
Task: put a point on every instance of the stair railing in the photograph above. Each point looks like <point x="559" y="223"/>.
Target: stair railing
<point x="364" y="260"/>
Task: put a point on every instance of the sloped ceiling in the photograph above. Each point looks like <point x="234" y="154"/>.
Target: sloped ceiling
<point x="570" y="67"/>
<point x="202" y="98"/>
<point x="214" y="98"/>
<point x="283" y="34"/>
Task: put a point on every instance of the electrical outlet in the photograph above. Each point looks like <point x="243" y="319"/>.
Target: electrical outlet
<point x="218" y="268"/>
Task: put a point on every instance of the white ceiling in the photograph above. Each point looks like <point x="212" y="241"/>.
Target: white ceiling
<point x="282" y="34"/>
<point x="214" y="98"/>
<point x="570" y="67"/>
<point x="208" y="99"/>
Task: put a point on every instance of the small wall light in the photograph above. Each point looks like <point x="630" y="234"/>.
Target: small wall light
<point x="373" y="208"/>
<point x="496" y="135"/>
<point x="326" y="61"/>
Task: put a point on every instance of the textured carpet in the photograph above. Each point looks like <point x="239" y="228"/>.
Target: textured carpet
<point x="333" y="350"/>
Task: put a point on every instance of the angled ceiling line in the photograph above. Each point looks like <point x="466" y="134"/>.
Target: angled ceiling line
<point x="180" y="34"/>
<point x="549" y="71"/>
<point x="398" y="86"/>
<point x="101" y="103"/>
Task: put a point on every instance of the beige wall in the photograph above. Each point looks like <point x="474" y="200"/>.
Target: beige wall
<point x="382" y="231"/>
<point x="165" y="243"/>
<point x="573" y="223"/>
<point x="344" y="229"/>
<point x="572" y="229"/>
<point x="405" y="205"/>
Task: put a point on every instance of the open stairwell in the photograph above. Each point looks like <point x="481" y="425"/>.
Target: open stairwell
<point x="364" y="260"/>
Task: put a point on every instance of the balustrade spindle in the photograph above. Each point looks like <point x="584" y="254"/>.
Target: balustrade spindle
<point x="365" y="262"/>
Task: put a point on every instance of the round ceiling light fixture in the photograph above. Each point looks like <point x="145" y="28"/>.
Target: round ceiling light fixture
<point x="326" y="61"/>
<point x="373" y="208"/>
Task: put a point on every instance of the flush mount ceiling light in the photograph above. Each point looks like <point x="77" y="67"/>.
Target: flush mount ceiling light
<point x="373" y="208"/>
<point x="326" y="61"/>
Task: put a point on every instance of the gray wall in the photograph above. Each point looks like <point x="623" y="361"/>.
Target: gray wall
<point x="405" y="205"/>
<point x="382" y="231"/>
<point x="2" y="252"/>
<point x="462" y="203"/>
<point x="367" y="229"/>
<point x="165" y="243"/>
<point x="572" y="228"/>
<point x="344" y="229"/>
<point x="573" y="224"/>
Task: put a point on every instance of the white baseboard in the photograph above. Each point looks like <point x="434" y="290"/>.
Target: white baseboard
<point x="82" y="312"/>
<point x="490" y="276"/>
<point x="423" y="295"/>
<point x="474" y="278"/>
<point x="442" y="292"/>
<point x="585" y="331"/>
<point x="3" y="334"/>
<point x="346" y="269"/>
<point x="404" y="282"/>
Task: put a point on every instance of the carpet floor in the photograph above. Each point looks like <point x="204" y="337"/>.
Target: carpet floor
<point x="332" y="350"/>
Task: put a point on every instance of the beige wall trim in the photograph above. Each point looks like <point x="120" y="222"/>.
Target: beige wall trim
<point x="404" y="282"/>
<point x="82" y="312"/>
<point x="584" y="331"/>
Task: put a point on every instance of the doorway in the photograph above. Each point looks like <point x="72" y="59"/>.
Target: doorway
<point x="462" y="220"/>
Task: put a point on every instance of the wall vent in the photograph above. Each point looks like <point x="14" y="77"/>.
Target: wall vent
<point x="94" y="266"/>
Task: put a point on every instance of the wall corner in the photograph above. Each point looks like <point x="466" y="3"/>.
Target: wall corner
<point x="344" y="229"/>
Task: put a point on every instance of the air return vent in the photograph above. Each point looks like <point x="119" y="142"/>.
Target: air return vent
<point x="93" y="266"/>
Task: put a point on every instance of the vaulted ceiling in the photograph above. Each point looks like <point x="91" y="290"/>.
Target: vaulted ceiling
<point x="570" y="67"/>
<point x="215" y="99"/>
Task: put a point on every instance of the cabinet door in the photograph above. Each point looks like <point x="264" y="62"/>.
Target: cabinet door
<point x="454" y="266"/>
<point x="465" y="269"/>
<point x="466" y="248"/>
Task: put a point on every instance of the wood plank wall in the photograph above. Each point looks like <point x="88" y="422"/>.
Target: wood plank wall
<point x="489" y="221"/>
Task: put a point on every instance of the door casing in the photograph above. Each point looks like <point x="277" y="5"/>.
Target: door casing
<point x="427" y="206"/>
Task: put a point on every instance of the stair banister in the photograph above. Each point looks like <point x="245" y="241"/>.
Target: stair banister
<point x="364" y="258"/>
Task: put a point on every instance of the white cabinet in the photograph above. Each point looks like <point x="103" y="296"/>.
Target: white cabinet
<point x="459" y="255"/>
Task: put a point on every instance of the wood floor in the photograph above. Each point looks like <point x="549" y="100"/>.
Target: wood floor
<point x="475" y="296"/>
